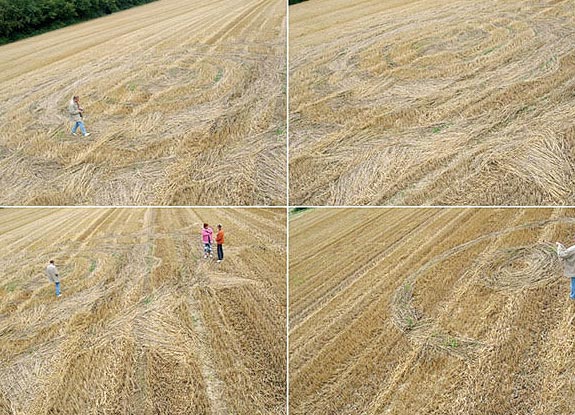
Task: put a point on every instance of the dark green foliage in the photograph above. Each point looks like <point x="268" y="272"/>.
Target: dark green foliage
<point x="295" y="1"/>
<point x="22" y="18"/>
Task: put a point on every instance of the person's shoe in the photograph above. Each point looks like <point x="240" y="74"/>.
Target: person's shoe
<point x="205" y="256"/>
<point x="59" y="295"/>
<point x="74" y="134"/>
<point x="211" y="256"/>
<point x="87" y="134"/>
<point x="219" y="260"/>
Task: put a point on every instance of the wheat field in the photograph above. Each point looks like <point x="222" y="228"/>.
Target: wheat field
<point x="432" y="102"/>
<point x="144" y="325"/>
<point x="185" y="101"/>
<point x="430" y="311"/>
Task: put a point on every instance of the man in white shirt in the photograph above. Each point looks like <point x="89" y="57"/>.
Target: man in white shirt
<point x="53" y="276"/>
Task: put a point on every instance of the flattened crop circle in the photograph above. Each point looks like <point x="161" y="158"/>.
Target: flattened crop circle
<point x="520" y="267"/>
<point x="505" y="269"/>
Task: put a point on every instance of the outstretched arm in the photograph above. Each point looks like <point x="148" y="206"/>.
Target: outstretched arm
<point x="563" y="252"/>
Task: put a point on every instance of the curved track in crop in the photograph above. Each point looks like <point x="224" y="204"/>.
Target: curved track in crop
<point x="403" y="311"/>
<point x="184" y="100"/>
<point x="145" y="324"/>
<point x="432" y="102"/>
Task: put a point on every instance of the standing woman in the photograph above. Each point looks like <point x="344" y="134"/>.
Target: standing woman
<point x="207" y="239"/>
<point x="76" y="117"/>
<point x="567" y="256"/>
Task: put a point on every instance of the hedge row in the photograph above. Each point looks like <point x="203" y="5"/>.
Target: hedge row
<point x="22" y="18"/>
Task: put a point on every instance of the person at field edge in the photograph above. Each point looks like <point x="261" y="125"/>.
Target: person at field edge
<point x="567" y="256"/>
<point x="75" y="111"/>
<point x="207" y="235"/>
<point x="53" y="276"/>
<point x="220" y="243"/>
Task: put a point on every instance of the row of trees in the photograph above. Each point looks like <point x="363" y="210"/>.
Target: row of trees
<point x="21" y="18"/>
<point x="295" y="1"/>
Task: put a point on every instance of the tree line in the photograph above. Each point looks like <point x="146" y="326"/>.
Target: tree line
<point x="295" y="1"/>
<point x="22" y="18"/>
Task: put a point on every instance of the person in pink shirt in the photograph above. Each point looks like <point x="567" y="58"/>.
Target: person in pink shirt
<point x="207" y="239"/>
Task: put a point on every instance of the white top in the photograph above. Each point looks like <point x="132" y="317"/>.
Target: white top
<point x="567" y="256"/>
<point x="52" y="273"/>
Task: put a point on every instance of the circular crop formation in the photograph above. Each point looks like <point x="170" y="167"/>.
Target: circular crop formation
<point x="506" y="269"/>
<point x="516" y="268"/>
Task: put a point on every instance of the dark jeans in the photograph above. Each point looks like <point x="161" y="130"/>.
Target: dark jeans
<point x="220" y="252"/>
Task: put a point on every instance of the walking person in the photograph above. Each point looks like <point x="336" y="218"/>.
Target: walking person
<point x="76" y="111"/>
<point x="220" y="243"/>
<point x="567" y="256"/>
<point x="207" y="238"/>
<point x="53" y="276"/>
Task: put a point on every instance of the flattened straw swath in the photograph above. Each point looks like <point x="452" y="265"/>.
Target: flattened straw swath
<point x="472" y="112"/>
<point x="465" y="307"/>
<point x="158" y="135"/>
<point x="521" y="267"/>
<point x="144" y="324"/>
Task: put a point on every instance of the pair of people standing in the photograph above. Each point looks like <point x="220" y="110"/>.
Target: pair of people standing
<point x="207" y="240"/>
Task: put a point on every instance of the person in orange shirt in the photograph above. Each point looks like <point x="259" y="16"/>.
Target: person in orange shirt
<point x="220" y="243"/>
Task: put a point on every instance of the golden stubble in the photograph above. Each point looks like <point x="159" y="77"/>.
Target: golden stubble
<point x="184" y="100"/>
<point x="428" y="311"/>
<point x="145" y="324"/>
<point x="431" y="102"/>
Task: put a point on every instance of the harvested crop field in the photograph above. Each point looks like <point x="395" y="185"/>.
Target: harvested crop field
<point x="144" y="325"/>
<point x="430" y="311"/>
<point x="432" y="102"/>
<point x="185" y="100"/>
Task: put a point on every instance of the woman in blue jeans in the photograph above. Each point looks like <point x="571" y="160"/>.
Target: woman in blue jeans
<point x="567" y="256"/>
